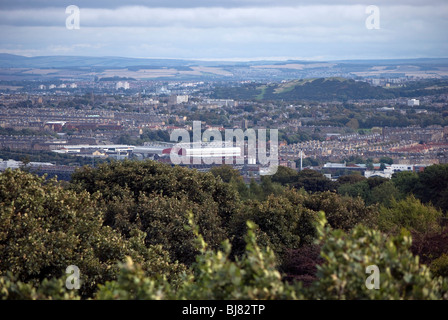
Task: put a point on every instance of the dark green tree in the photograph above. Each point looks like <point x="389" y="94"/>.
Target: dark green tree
<point x="433" y="186"/>
<point x="45" y="228"/>
<point x="285" y="176"/>
<point x="313" y="181"/>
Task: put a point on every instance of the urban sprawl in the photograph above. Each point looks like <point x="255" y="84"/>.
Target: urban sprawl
<point x="99" y="121"/>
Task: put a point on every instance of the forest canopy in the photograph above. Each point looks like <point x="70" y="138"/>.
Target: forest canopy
<point x="146" y="230"/>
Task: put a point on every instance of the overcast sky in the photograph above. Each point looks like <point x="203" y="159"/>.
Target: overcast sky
<point x="227" y="29"/>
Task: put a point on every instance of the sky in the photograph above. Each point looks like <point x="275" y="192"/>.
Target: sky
<point x="227" y="29"/>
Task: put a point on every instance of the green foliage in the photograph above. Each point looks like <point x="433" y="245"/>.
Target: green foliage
<point x="342" y="212"/>
<point x="131" y="284"/>
<point x="227" y="173"/>
<point x="255" y="191"/>
<point x="124" y="223"/>
<point x="54" y="289"/>
<point x="358" y="189"/>
<point x="46" y="156"/>
<point x="286" y="221"/>
<point x="271" y="188"/>
<point x="384" y="194"/>
<point x="292" y="138"/>
<point x="24" y="132"/>
<point x="386" y="160"/>
<point x="347" y="255"/>
<point x="45" y="228"/>
<point x="430" y="185"/>
<point x="215" y="276"/>
<point x="236" y="181"/>
<point x="312" y="181"/>
<point x="260" y="191"/>
<point x="255" y="276"/>
<point x="405" y="181"/>
<point x="310" y="89"/>
<point x="146" y="136"/>
<point x="150" y="177"/>
<point x="285" y="176"/>
<point x="353" y="123"/>
<point x="433" y="186"/>
<point x="282" y="223"/>
<point x="372" y="190"/>
<point x="410" y="214"/>
<point x="154" y="198"/>
<point x="439" y="267"/>
<point x="163" y="220"/>
<point x="350" y="179"/>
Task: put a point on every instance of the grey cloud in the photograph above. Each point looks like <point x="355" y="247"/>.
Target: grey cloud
<point x="227" y="29"/>
<point x="275" y="17"/>
<point x="24" y="4"/>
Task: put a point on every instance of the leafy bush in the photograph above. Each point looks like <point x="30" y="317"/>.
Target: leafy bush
<point x="343" y="274"/>
<point x="215" y="276"/>
<point x="439" y="267"/>
<point x="284" y="223"/>
<point x="123" y="230"/>
<point x="54" y="289"/>
<point x="163" y="220"/>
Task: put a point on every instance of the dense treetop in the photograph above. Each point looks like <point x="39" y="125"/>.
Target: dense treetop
<point x="145" y="230"/>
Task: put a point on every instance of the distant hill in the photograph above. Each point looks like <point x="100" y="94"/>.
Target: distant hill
<point x="327" y="89"/>
<point x="15" y="61"/>
<point x="85" y="67"/>
<point x="310" y="89"/>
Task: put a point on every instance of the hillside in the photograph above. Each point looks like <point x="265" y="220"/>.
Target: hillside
<point x="327" y="89"/>
<point x="14" y="67"/>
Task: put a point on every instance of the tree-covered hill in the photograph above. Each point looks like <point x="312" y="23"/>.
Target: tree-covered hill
<point x="327" y="89"/>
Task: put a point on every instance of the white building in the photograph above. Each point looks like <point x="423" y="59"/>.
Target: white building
<point x="413" y="102"/>
<point x="222" y="102"/>
<point x="209" y="152"/>
<point x="13" y="164"/>
<point x="122" y="85"/>
<point x="151" y="101"/>
<point x="335" y="165"/>
<point x="176" y="99"/>
<point x="391" y="169"/>
<point x="115" y="150"/>
<point x="382" y="174"/>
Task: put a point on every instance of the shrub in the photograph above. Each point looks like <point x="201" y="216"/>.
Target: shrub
<point x="439" y="266"/>
<point x="215" y="276"/>
<point x="343" y="274"/>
